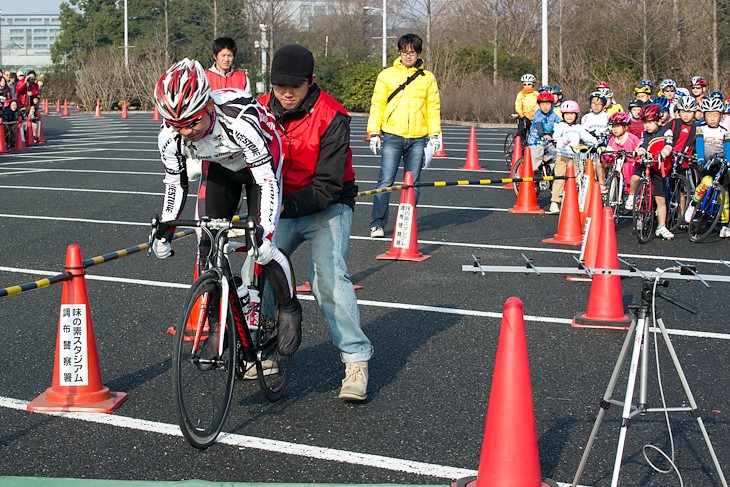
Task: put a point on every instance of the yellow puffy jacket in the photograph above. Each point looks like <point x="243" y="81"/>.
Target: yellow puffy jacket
<point x="526" y="103"/>
<point x="412" y="113"/>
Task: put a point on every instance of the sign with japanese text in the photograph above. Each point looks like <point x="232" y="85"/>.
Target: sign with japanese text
<point x="73" y="356"/>
<point x="402" y="237"/>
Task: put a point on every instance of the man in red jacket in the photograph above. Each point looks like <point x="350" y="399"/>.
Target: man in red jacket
<point x="222" y="74"/>
<point x="318" y="200"/>
<point x="26" y="89"/>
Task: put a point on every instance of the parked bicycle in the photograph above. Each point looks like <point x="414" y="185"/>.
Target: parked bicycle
<point x="616" y="187"/>
<point x="644" y="207"/>
<point x="545" y="168"/>
<point x="226" y="331"/>
<point x="678" y="192"/>
<point x="509" y="141"/>
<point x="709" y="209"/>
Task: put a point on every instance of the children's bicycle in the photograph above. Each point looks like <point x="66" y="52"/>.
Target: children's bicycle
<point x="615" y="195"/>
<point x="509" y="140"/>
<point x="643" y="216"/>
<point x="545" y="168"/>
<point x="225" y="332"/>
<point x="678" y="192"/>
<point x="709" y="209"/>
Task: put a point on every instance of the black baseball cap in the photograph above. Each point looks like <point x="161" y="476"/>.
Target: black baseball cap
<point x="292" y="64"/>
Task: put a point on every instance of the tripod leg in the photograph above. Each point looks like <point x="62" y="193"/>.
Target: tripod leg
<point x="691" y="399"/>
<point x="605" y="404"/>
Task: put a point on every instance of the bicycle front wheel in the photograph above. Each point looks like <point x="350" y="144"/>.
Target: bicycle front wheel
<point x="613" y="196"/>
<point x="515" y="173"/>
<point x="707" y="213"/>
<point x="509" y="147"/>
<point x="677" y="200"/>
<point x="202" y="378"/>
<point x="644" y="212"/>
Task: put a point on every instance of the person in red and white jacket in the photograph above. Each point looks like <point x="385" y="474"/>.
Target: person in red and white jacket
<point x="222" y="74"/>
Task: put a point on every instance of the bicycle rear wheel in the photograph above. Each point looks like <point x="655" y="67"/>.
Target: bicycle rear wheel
<point x="613" y="196"/>
<point x="644" y="212"/>
<point x="677" y="200"/>
<point x="515" y="173"/>
<point x="202" y="379"/>
<point x="707" y="213"/>
<point x="509" y="147"/>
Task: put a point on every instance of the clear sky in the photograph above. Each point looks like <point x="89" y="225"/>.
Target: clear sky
<point x="32" y="7"/>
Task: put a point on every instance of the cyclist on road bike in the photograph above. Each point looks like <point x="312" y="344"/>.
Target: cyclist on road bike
<point x="526" y="105"/>
<point x="681" y="132"/>
<point x="596" y="121"/>
<point x="232" y="133"/>
<point x="541" y="132"/>
<point x="620" y="140"/>
<point x="652" y="143"/>
<point x="712" y="140"/>
<point x="568" y="133"/>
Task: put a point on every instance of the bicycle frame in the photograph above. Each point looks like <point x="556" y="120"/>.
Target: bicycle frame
<point x="708" y="203"/>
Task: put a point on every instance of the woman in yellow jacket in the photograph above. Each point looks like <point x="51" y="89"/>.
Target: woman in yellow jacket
<point x="526" y="104"/>
<point x="405" y="119"/>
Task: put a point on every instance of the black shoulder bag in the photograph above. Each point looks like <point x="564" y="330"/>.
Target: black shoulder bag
<point x="419" y="72"/>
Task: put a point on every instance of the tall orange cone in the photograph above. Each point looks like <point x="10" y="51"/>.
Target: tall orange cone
<point x="570" y="231"/>
<point x="125" y="114"/>
<point x="404" y="245"/>
<point x="510" y="456"/>
<point x="44" y="105"/>
<point x="441" y="153"/>
<point x="516" y="155"/>
<point x="29" y="135"/>
<point x="58" y="105"/>
<point x="156" y="114"/>
<point x="472" y="153"/>
<point x="605" y="302"/>
<point x="76" y="382"/>
<point x="526" y="197"/>
<point x="65" y="109"/>
<point x="19" y="136"/>
<point x="98" y="110"/>
<point x="3" y="146"/>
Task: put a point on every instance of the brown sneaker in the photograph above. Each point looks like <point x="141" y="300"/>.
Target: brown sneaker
<point x="355" y="383"/>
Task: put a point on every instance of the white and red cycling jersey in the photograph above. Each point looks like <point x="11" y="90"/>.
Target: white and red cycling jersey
<point x="242" y="136"/>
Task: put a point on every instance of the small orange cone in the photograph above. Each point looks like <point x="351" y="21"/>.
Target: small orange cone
<point x="76" y="382"/>
<point x="40" y="136"/>
<point x="472" y="154"/>
<point x="19" y="136"/>
<point x="404" y="245"/>
<point x="156" y="114"/>
<point x="45" y="107"/>
<point x="192" y="326"/>
<point x="29" y="136"/>
<point x="584" y="200"/>
<point x="516" y="155"/>
<point x="569" y="230"/>
<point x="510" y="455"/>
<point x="307" y="288"/>
<point x="605" y="302"/>
<point x="591" y="234"/>
<point x="58" y="105"/>
<point x="526" y="198"/>
<point x="441" y="153"/>
<point x="98" y="110"/>
<point x="65" y="109"/>
<point x="125" y="114"/>
<point x="3" y="146"/>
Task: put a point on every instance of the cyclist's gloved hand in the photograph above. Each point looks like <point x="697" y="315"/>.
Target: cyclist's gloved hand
<point x="266" y="252"/>
<point x="435" y="142"/>
<point x="194" y="167"/>
<point x="375" y="144"/>
<point x="161" y="245"/>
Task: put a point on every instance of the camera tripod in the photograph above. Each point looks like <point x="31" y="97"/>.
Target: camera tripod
<point x="639" y="333"/>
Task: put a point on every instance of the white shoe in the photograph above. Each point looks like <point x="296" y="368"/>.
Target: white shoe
<point x="554" y="208"/>
<point x="689" y="213"/>
<point x="377" y="232"/>
<point x="629" y="202"/>
<point x="725" y="232"/>
<point x="270" y="368"/>
<point x="355" y="383"/>
<point x="664" y="232"/>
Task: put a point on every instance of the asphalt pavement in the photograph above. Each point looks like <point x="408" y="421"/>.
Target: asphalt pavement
<point x="434" y="327"/>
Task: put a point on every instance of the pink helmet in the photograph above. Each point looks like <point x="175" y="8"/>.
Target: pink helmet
<point x="570" y="106"/>
<point x="620" y="118"/>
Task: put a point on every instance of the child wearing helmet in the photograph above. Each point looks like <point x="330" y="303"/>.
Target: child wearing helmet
<point x="568" y="134"/>
<point x="557" y="92"/>
<point x="681" y="133"/>
<point x="725" y="120"/>
<point x="620" y="140"/>
<point x="543" y="125"/>
<point x="611" y="105"/>
<point x="668" y="89"/>
<point x="636" y="126"/>
<point x="526" y="104"/>
<point x="698" y="89"/>
<point x="652" y="143"/>
<point x="663" y="104"/>
<point x="712" y="140"/>
<point x="596" y="121"/>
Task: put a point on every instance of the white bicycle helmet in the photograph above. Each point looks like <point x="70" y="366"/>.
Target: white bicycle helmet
<point x="687" y="103"/>
<point x="667" y="83"/>
<point x="182" y="92"/>
<point x="528" y="78"/>
<point x="712" y="105"/>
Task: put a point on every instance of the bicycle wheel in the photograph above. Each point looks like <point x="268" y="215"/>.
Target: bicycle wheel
<point x="677" y="200"/>
<point x="509" y="147"/>
<point x="202" y="380"/>
<point x="707" y="214"/>
<point x="515" y="173"/>
<point x="644" y="212"/>
<point x="613" y="195"/>
<point x="273" y="369"/>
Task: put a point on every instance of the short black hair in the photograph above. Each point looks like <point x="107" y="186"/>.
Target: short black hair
<point x="224" y="43"/>
<point x="410" y="40"/>
<point x="29" y="73"/>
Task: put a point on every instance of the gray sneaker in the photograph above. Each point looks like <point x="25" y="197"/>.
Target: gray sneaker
<point x="554" y="208"/>
<point x="377" y="232"/>
<point x="269" y="366"/>
<point x="355" y="383"/>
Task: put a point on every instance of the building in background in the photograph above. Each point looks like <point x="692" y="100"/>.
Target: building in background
<point x="25" y="40"/>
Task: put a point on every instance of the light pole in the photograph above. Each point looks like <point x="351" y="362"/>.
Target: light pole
<point x="383" y="10"/>
<point x="126" y="37"/>
<point x="1" y="37"/>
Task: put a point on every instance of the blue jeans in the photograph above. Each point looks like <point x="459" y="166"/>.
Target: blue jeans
<point x="328" y="234"/>
<point x="396" y="148"/>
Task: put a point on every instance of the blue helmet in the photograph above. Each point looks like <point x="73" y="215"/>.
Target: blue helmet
<point x="647" y="82"/>
<point x="717" y="94"/>
<point x="544" y="88"/>
<point x="599" y="95"/>
<point x="663" y="104"/>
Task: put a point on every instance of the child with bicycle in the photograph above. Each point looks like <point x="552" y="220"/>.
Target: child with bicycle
<point x="636" y="126"/>
<point x="568" y="134"/>
<point x="596" y="121"/>
<point x="541" y="132"/>
<point x="526" y="104"/>
<point x="712" y="140"/>
<point x="620" y="140"/>
<point x="652" y="143"/>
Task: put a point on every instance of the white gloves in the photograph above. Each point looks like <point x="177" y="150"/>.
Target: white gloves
<point x="375" y="144"/>
<point x="435" y="142"/>
<point x="162" y="248"/>
<point x="266" y="252"/>
<point x="194" y="167"/>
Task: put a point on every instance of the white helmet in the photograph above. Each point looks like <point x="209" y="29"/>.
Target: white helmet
<point x="528" y="78"/>
<point x="712" y="105"/>
<point x="182" y="92"/>
<point x="687" y="103"/>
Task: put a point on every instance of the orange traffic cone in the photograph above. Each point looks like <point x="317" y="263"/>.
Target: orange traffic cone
<point x="156" y="114"/>
<point x="19" y="136"/>
<point x="76" y="382"/>
<point x="510" y="455"/>
<point x="29" y="136"/>
<point x="125" y="114"/>
<point x="404" y="245"/>
<point x="441" y="153"/>
<point x="472" y="154"/>
<point x="65" y="109"/>
<point x="569" y="230"/>
<point x="526" y="198"/>
<point x="605" y="302"/>
<point x="58" y="105"/>
<point x="516" y="155"/>
<point x="584" y="200"/>
<point x="98" y="110"/>
<point x="307" y="288"/>
<point x="591" y="234"/>
<point x="44" y="107"/>
<point x="192" y="325"/>
<point x="3" y="146"/>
